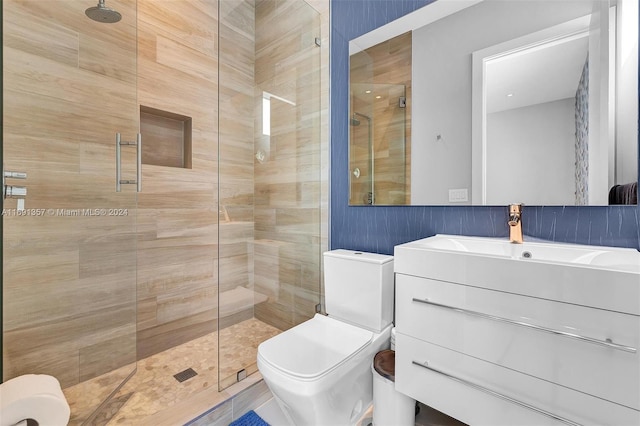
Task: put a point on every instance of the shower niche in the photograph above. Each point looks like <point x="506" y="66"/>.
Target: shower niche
<point x="166" y="138"/>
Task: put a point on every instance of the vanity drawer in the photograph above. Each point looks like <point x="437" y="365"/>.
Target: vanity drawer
<point x="463" y="391"/>
<point x="603" y="371"/>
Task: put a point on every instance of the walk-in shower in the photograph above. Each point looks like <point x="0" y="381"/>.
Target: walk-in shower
<point x="380" y="87"/>
<point x="378" y="156"/>
<point x="367" y="185"/>
<point x="216" y="253"/>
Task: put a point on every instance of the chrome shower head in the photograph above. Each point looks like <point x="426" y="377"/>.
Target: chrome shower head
<point x="355" y="121"/>
<point x="102" y="13"/>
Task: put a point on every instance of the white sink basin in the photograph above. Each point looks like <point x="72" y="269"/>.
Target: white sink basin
<point x="579" y="274"/>
<point x="536" y="250"/>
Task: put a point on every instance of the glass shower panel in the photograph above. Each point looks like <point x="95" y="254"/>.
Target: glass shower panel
<point x="378" y="156"/>
<point x="69" y="244"/>
<point x="269" y="156"/>
<point x="390" y="159"/>
<point x="361" y="164"/>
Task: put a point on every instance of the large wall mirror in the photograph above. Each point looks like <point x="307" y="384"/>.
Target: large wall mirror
<point x="489" y="102"/>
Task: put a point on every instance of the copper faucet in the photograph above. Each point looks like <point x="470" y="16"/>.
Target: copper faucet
<point x="515" y="223"/>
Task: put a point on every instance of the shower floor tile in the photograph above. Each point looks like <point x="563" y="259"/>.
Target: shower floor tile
<point x="153" y="396"/>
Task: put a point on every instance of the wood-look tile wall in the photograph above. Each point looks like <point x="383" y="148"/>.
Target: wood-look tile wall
<point x="269" y="212"/>
<point x="177" y="208"/>
<point x="68" y="270"/>
<point x="237" y="74"/>
<point x="387" y="63"/>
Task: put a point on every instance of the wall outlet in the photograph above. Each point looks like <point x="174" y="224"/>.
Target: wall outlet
<point x="458" y="195"/>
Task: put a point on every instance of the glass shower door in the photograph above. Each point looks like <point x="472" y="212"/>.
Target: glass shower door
<point x="69" y="239"/>
<point x="269" y="176"/>
<point x="378" y="157"/>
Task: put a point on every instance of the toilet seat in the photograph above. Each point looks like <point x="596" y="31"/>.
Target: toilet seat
<point x="314" y="348"/>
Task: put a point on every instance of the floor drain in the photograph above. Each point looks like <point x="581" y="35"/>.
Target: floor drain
<point x="185" y="375"/>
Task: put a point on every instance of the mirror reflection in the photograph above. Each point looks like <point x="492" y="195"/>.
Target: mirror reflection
<point x="491" y="102"/>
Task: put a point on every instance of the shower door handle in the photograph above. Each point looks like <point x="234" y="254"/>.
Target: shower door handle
<point x="14" y="175"/>
<point x="119" y="144"/>
<point x="13" y="191"/>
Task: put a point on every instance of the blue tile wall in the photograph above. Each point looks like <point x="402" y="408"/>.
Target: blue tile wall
<point x="379" y="229"/>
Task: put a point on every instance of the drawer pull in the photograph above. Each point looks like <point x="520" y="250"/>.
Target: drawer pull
<point x="496" y="394"/>
<point x="606" y="343"/>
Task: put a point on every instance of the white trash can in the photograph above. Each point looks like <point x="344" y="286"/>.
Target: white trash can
<point x="393" y="339"/>
<point x="390" y="408"/>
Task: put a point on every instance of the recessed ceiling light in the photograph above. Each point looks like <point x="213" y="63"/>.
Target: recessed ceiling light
<point x="367" y="91"/>
<point x="378" y="97"/>
<point x="509" y="95"/>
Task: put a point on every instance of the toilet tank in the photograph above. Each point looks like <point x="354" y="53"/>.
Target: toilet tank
<point x="358" y="288"/>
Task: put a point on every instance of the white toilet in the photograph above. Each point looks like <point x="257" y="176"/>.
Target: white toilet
<point x="320" y="371"/>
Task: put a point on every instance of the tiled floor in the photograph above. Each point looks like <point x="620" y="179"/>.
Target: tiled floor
<point x="154" y="397"/>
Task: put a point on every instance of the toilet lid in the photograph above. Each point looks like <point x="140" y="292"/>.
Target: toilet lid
<point x="315" y="347"/>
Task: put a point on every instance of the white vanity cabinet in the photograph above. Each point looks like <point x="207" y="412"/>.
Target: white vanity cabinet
<point x="488" y="347"/>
